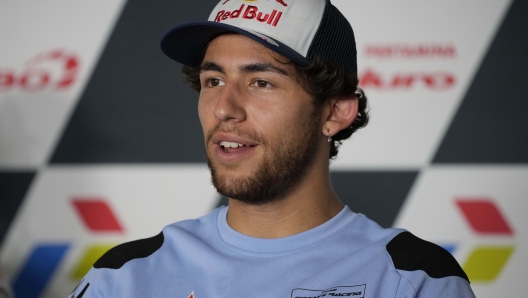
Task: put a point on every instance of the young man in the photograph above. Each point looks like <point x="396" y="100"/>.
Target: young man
<point x="278" y="92"/>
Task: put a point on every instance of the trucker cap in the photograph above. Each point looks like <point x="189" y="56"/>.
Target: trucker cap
<point x="296" y="29"/>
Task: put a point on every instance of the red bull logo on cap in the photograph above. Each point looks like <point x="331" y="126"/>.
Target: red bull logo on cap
<point x="250" y="13"/>
<point x="279" y="1"/>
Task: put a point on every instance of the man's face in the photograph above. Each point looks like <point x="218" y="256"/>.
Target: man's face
<point x="261" y="131"/>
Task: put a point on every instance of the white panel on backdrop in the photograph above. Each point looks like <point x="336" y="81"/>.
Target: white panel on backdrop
<point x="416" y="60"/>
<point x="454" y="206"/>
<point x="48" y="51"/>
<point x="142" y="199"/>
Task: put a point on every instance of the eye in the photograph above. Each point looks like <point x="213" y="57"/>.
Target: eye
<point x="262" y="84"/>
<point x="214" y="82"/>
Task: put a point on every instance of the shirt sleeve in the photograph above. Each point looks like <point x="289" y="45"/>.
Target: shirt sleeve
<point x="107" y="272"/>
<point x="426" y="269"/>
<point x="417" y="284"/>
<point x="98" y="283"/>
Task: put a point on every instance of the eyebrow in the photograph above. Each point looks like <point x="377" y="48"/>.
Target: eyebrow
<point x="249" y="68"/>
<point x="210" y="66"/>
<point x="262" y="67"/>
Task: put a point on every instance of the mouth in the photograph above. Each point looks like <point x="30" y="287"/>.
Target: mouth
<point x="230" y="147"/>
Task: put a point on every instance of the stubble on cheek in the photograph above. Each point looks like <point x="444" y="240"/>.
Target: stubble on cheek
<point x="277" y="173"/>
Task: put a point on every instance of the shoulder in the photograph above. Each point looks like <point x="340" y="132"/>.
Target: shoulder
<point x="173" y="235"/>
<point x="102" y="278"/>
<point x="410" y="253"/>
<point x="118" y="256"/>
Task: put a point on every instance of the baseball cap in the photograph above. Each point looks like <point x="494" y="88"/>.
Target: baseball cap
<point x="296" y="29"/>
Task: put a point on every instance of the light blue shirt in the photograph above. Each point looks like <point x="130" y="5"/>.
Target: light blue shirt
<point x="348" y="256"/>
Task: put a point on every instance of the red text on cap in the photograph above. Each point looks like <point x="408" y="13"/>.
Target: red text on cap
<point x="251" y="13"/>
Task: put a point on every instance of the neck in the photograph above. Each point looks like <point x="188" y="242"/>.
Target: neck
<point x="310" y="204"/>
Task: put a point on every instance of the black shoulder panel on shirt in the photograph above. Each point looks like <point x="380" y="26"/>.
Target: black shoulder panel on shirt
<point x="411" y="253"/>
<point x="118" y="256"/>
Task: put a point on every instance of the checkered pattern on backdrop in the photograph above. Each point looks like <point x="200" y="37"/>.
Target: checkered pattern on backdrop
<point x="100" y="141"/>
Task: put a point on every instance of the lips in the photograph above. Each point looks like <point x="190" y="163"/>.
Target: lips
<point x="230" y="147"/>
<point x="226" y="144"/>
<point x="230" y="140"/>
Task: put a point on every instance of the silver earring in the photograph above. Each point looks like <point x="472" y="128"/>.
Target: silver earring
<point x="329" y="136"/>
<point x="359" y="94"/>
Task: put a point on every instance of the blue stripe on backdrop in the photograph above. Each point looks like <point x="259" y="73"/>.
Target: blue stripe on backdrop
<point x="38" y="270"/>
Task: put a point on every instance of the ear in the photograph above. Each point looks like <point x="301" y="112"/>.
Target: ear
<point x="342" y="111"/>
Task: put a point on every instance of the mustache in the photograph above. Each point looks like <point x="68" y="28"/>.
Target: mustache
<point x="234" y="129"/>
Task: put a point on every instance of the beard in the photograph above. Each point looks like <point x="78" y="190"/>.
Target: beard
<point x="280" y="170"/>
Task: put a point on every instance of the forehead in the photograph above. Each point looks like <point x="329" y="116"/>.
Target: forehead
<point x="242" y="49"/>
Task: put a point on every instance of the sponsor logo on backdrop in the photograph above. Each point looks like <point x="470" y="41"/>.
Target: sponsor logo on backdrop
<point x="39" y="267"/>
<point x="485" y="262"/>
<point x="410" y="51"/>
<point x="437" y="80"/>
<point x="55" y="70"/>
<point x="372" y="79"/>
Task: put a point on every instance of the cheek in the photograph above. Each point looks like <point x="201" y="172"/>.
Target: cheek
<point x="268" y="117"/>
<point x="204" y="113"/>
<point x="280" y="121"/>
<point x="290" y="111"/>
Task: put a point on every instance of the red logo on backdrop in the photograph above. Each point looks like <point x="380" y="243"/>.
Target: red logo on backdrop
<point x="371" y="79"/>
<point x="433" y="80"/>
<point x="411" y="51"/>
<point x="484" y="216"/>
<point x="56" y="69"/>
<point x="96" y="214"/>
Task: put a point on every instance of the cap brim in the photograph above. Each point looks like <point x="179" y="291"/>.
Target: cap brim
<point x="186" y="42"/>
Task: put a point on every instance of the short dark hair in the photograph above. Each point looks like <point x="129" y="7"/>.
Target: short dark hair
<point x="324" y="80"/>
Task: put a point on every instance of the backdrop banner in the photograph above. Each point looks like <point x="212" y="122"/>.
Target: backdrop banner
<point x="100" y="141"/>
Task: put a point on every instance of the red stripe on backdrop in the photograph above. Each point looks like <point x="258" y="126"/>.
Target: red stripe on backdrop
<point x="96" y="214"/>
<point x="484" y="216"/>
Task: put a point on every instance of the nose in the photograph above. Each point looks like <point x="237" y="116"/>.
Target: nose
<point x="229" y="104"/>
